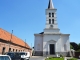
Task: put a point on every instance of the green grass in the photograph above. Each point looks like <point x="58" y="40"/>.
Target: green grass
<point x="55" y="58"/>
<point x="73" y="59"/>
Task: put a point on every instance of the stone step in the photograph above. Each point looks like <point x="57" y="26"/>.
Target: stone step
<point x="51" y="55"/>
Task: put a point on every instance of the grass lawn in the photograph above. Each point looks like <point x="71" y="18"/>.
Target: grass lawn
<point x="55" y="58"/>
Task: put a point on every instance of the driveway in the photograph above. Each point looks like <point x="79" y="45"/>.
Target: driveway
<point x="37" y="58"/>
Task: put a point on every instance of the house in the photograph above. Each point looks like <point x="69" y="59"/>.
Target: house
<point x="11" y="43"/>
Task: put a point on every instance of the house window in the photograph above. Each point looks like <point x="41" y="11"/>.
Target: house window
<point x="49" y="21"/>
<point x="3" y="50"/>
<point x="16" y="50"/>
<point x="13" y="50"/>
<point x="49" y="14"/>
<point x="9" y="49"/>
<point x="52" y="21"/>
<point x="52" y="14"/>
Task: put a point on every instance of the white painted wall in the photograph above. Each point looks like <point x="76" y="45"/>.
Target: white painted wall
<point x="52" y="31"/>
<point x="65" y="40"/>
<point x="38" y="40"/>
<point x="58" y="40"/>
<point x="55" y="25"/>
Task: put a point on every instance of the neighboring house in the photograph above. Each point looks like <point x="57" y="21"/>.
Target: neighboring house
<point x="11" y="43"/>
<point x="51" y="40"/>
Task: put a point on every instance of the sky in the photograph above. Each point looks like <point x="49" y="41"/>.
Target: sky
<point x="27" y="17"/>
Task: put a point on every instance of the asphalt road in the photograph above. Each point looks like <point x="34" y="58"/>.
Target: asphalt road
<point x="37" y="58"/>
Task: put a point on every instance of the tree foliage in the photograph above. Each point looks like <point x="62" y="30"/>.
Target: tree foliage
<point x="71" y="47"/>
<point x="75" y="45"/>
<point x="79" y="46"/>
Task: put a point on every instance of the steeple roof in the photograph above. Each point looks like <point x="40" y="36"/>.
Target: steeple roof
<point x="50" y="5"/>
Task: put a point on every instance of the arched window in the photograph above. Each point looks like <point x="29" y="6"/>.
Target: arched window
<point x="19" y="50"/>
<point x="9" y="49"/>
<point x="3" y="50"/>
<point x="49" y="21"/>
<point x="16" y="50"/>
<point x="65" y="47"/>
<point x="49" y="14"/>
<point x="38" y="47"/>
<point x="52" y="21"/>
<point x="13" y="50"/>
<point x="52" y="14"/>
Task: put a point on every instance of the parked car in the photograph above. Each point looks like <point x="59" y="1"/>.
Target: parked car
<point x="14" y="55"/>
<point x="5" y="57"/>
<point x="25" y="55"/>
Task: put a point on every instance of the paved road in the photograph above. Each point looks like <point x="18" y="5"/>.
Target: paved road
<point x="37" y="58"/>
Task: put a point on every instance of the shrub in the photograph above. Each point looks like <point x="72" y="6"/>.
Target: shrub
<point x="78" y="50"/>
<point x="73" y="59"/>
<point x="61" y="55"/>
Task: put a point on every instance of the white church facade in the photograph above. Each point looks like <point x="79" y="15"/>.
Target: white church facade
<point x="51" y="40"/>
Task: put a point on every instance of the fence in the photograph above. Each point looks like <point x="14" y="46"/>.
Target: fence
<point x="77" y="54"/>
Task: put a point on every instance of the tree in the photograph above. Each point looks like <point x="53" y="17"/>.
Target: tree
<point x="79" y="46"/>
<point x="75" y="45"/>
<point x="71" y="47"/>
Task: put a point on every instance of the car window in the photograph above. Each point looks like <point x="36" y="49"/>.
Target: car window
<point x="22" y="53"/>
<point x="26" y="53"/>
<point x="11" y="54"/>
<point x="4" y="58"/>
<point x="17" y="54"/>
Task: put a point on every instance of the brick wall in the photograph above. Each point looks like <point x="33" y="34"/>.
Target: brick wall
<point x="4" y="47"/>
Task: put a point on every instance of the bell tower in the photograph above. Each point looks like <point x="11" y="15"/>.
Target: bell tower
<point x="51" y="21"/>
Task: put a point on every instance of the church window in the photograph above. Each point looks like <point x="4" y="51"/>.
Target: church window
<point x="52" y="14"/>
<point x="49" y="14"/>
<point x="52" y="21"/>
<point x="49" y="21"/>
<point x="38" y="47"/>
<point x="65" y="47"/>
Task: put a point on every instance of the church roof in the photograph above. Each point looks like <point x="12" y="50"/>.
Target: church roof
<point x="41" y="33"/>
<point x="4" y="35"/>
<point x="50" y="5"/>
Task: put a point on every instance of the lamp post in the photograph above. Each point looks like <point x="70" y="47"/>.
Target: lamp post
<point x="10" y="41"/>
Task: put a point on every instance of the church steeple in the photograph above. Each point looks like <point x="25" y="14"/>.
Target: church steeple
<point x="51" y="19"/>
<point x="50" y="5"/>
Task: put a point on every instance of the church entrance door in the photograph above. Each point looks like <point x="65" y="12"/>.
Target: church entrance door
<point x="52" y="49"/>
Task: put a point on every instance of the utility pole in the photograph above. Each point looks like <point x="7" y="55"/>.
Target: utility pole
<point x="10" y="41"/>
<point x="25" y="44"/>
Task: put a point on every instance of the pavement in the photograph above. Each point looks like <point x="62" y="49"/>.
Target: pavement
<point x="37" y="58"/>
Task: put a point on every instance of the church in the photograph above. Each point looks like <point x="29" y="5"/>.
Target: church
<point x="51" y="41"/>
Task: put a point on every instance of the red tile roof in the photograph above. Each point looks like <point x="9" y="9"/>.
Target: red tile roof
<point x="7" y="36"/>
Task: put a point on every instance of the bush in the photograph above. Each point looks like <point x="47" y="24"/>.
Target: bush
<point x="73" y="59"/>
<point x="78" y="50"/>
<point x="61" y="55"/>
